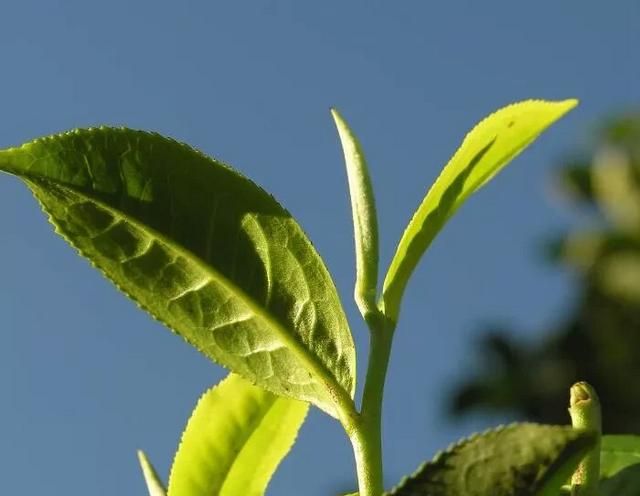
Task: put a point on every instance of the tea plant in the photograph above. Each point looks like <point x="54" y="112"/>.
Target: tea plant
<point x="221" y="263"/>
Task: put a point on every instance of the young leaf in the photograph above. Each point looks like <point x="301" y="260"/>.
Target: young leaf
<point x="365" y="221"/>
<point x="154" y="484"/>
<point x="483" y="153"/>
<point x="202" y="249"/>
<point x="617" y="453"/>
<point x="234" y="441"/>
<point x="516" y="460"/>
<point x="586" y="414"/>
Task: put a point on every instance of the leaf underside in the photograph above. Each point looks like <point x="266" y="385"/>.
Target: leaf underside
<point x="486" y="150"/>
<point x="235" y="439"/>
<point x="516" y="460"/>
<point x="202" y="249"/>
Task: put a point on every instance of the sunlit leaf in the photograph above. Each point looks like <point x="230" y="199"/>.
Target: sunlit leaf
<point x="484" y="152"/>
<point x="234" y="441"/>
<point x="154" y="484"/>
<point x="201" y="248"/>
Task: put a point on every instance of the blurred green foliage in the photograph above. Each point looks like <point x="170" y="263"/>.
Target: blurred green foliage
<point x="599" y="339"/>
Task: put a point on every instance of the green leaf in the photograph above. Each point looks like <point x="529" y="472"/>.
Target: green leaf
<point x="490" y="146"/>
<point x="624" y="483"/>
<point x="154" y="484"/>
<point x="617" y="453"/>
<point x="365" y="221"/>
<point x="202" y="249"/>
<point x="234" y="441"/>
<point x="516" y="460"/>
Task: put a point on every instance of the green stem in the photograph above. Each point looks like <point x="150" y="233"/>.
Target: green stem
<point x="367" y="436"/>
<point x="584" y="408"/>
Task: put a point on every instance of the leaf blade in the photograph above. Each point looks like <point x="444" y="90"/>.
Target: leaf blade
<point x="365" y="221"/>
<point x="234" y="441"/>
<point x="151" y="478"/>
<point x="486" y="149"/>
<point x="516" y="460"/>
<point x="618" y="452"/>
<point x="203" y="249"/>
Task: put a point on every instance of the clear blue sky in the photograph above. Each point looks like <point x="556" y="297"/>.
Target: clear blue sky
<point x="86" y="378"/>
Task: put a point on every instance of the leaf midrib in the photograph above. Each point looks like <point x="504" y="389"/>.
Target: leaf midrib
<point x="255" y="425"/>
<point x="248" y="432"/>
<point x="403" y="245"/>
<point x="341" y="399"/>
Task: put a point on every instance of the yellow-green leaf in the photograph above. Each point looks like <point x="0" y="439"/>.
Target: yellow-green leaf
<point x="235" y="439"/>
<point x="154" y="484"/>
<point x="483" y="153"/>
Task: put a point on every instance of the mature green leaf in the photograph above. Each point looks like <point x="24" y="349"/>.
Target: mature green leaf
<point x="202" y="249"/>
<point x="154" y="484"/>
<point x="234" y="441"/>
<point x="484" y="152"/>
<point x="617" y="453"/>
<point x="516" y="460"/>
<point x="626" y="482"/>
<point x="365" y="221"/>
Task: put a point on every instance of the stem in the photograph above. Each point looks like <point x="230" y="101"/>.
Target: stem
<point x="584" y="408"/>
<point x="367" y="437"/>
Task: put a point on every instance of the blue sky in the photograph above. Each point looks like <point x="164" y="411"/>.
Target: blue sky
<point x="86" y="378"/>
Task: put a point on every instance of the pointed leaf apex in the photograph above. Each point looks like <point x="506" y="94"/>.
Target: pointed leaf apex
<point x="154" y="484"/>
<point x="365" y="222"/>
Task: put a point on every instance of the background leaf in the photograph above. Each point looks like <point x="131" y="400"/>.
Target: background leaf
<point x="202" y="249"/>
<point x="154" y="484"/>
<point x="516" y="460"/>
<point x="618" y="452"/>
<point x="235" y="439"/>
<point x="365" y="220"/>
<point x="626" y="482"/>
<point x="491" y="145"/>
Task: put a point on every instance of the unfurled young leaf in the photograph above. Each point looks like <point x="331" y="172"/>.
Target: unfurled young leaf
<point x="154" y="484"/>
<point x="201" y="248"/>
<point x="516" y="460"/>
<point x="483" y="153"/>
<point x="234" y="441"/>
<point x="365" y="221"/>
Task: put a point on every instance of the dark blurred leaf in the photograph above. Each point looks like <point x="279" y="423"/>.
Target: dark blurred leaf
<point x="624" y="483"/>
<point x="574" y="181"/>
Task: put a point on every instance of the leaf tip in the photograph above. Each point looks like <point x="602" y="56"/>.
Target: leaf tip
<point x="337" y="118"/>
<point x="142" y="458"/>
<point x="567" y="105"/>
